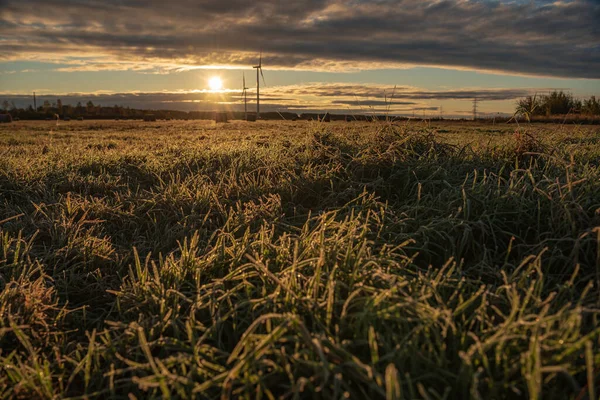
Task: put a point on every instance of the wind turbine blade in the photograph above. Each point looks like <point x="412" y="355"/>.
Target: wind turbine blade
<point x="260" y="60"/>
<point x="263" y="77"/>
<point x="244" y="77"/>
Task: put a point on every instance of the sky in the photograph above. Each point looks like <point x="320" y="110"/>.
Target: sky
<point x="426" y="57"/>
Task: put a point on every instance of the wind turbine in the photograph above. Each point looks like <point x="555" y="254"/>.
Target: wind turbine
<point x="245" y="94"/>
<point x="258" y="69"/>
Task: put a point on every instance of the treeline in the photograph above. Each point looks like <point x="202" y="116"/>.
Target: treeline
<point x="92" y="111"/>
<point x="557" y="103"/>
<point x="89" y="111"/>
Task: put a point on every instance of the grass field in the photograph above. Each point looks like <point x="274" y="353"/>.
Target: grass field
<point x="299" y="260"/>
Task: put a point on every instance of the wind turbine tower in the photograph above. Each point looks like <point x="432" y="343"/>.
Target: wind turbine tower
<point x="245" y="93"/>
<point x="258" y="70"/>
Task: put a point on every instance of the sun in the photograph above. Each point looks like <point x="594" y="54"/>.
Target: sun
<point x="215" y="83"/>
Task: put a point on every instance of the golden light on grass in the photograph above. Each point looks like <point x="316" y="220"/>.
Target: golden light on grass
<point x="215" y="83"/>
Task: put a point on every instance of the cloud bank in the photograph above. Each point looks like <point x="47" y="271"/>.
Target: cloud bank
<point x="332" y="97"/>
<point x="560" y="38"/>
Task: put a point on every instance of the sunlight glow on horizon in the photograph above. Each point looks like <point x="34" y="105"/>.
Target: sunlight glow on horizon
<point x="215" y="83"/>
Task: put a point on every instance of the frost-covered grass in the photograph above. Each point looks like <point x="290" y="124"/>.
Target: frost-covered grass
<point x="299" y="260"/>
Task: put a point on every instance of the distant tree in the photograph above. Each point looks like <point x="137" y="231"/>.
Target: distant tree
<point x="5" y="105"/>
<point x="46" y="106"/>
<point x="591" y="106"/>
<point x="555" y="103"/>
<point x="577" y="106"/>
<point x="90" y="107"/>
<point x="558" y="103"/>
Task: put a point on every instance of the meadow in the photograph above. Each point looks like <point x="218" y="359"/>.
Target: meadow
<point x="188" y="259"/>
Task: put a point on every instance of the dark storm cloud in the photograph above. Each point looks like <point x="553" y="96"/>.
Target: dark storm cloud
<point x="539" y="38"/>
